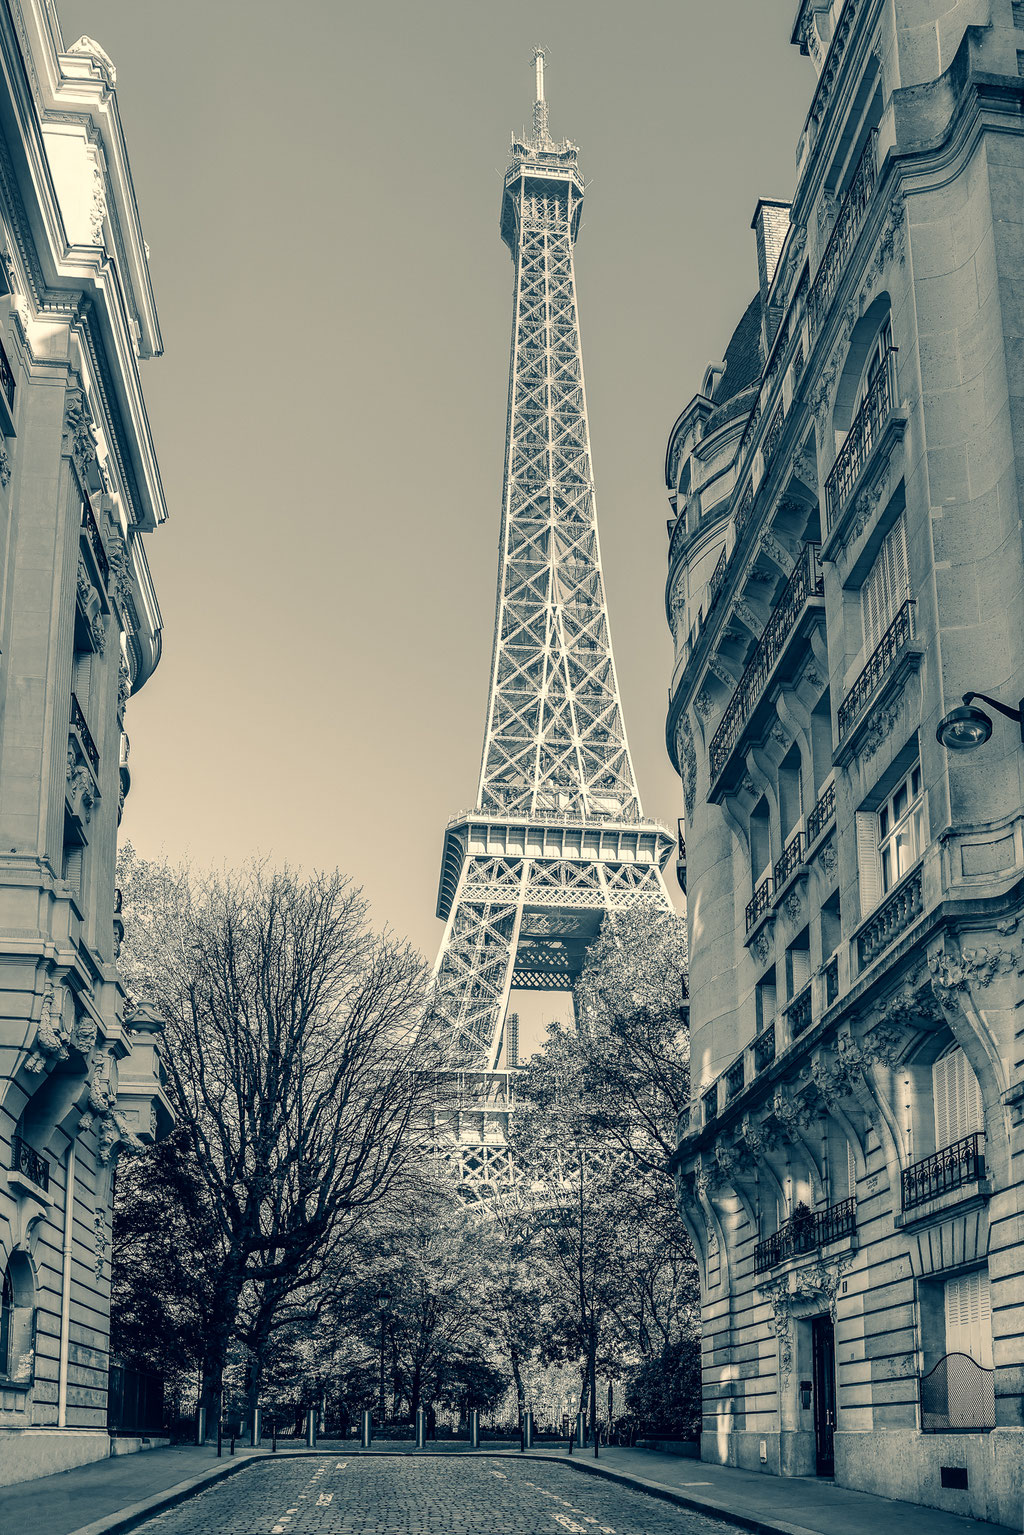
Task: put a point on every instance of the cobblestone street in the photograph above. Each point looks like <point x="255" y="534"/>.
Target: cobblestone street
<point x="407" y="1496"/>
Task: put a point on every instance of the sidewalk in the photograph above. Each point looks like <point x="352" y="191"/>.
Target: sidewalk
<point x="118" y="1493"/>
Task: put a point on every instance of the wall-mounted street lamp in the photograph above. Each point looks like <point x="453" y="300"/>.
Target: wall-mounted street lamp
<point x="967" y="727"/>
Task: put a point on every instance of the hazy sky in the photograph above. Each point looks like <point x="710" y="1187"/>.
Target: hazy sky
<point x="319" y="186"/>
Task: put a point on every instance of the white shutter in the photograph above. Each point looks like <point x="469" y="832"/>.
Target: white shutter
<point x="869" y="869"/>
<point x="887" y="586"/>
<point x="969" y="1317"/>
<point x="957" y="1096"/>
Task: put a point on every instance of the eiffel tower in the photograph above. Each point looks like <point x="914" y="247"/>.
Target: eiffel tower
<point x="557" y="838"/>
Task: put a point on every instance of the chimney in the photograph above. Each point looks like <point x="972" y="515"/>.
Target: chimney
<point x="770" y="225"/>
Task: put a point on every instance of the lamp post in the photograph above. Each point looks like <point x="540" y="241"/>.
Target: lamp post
<point x="967" y="727"/>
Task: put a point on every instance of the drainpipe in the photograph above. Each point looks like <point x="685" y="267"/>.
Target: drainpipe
<point x="65" y="1288"/>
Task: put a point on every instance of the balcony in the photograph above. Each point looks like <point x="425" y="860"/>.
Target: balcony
<point x="799" y="1012"/>
<point x="823" y="812"/>
<point x="91" y="533"/>
<point x="831" y="981"/>
<point x="806" y="583"/>
<point x="709" y="1103"/>
<point x="891" y="918"/>
<point x="764" y="1049"/>
<point x="759" y="902"/>
<point x="843" y="237"/>
<point x="789" y="862"/>
<point x="84" y="734"/>
<point x="734" y="1079"/>
<point x="865" y="432"/>
<point x="716" y="583"/>
<point x="27" y="1161"/>
<point x="681" y="857"/>
<point x="805" y="1232"/>
<point x="7" y="378"/>
<point x="897" y="638"/>
<point x="945" y="1170"/>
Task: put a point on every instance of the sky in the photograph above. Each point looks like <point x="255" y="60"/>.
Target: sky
<point x="319" y="186"/>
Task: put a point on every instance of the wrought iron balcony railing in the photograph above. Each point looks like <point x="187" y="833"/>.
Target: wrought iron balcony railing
<point x="759" y="902"/>
<point x="764" y="1048"/>
<point x="790" y="860"/>
<point x="27" y="1161"/>
<point x="945" y="1170"/>
<point x="891" y="918"/>
<point x="823" y="812"/>
<point x="717" y="581"/>
<point x="893" y="642"/>
<point x="806" y="581"/>
<point x="861" y="438"/>
<point x="6" y="377"/>
<point x="84" y="733"/>
<point x="805" y="1232"/>
<point x="799" y="1012"/>
<point x="709" y="1102"/>
<point x="958" y="1393"/>
<point x="92" y="533"/>
<point x="771" y="437"/>
<point x="843" y="237"/>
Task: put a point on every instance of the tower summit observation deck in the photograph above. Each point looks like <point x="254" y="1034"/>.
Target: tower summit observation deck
<point x="557" y="839"/>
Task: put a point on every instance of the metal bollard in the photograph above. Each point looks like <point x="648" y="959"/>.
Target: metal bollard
<point x="581" y="1429"/>
<point x="200" y="1425"/>
<point x="527" y="1430"/>
<point x="474" y="1428"/>
<point x="256" y="1432"/>
<point x="421" y="1428"/>
<point x="273" y="1431"/>
<point x="311" y="1429"/>
<point x="367" y="1434"/>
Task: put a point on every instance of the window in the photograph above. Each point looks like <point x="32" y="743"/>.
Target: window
<point x="887" y="586"/>
<point x="956" y="1094"/>
<point x="6" y="1310"/>
<point x="901" y="835"/>
<point x="969" y="1318"/>
<point x="877" y="359"/>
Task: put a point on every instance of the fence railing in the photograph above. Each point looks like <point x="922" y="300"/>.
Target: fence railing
<point x="6" y="377"/>
<point x="92" y="533"/>
<point x="759" y="902"/>
<point x="790" y="860"/>
<point x="862" y="436"/>
<point x="805" y="1232"/>
<point x="889" y="920"/>
<point x="806" y="581"/>
<point x="25" y="1159"/>
<point x="823" y="812"/>
<point x="799" y="1012"/>
<point x="844" y="234"/>
<point x="717" y="581"/>
<point x="764" y="1048"/>
<point x="958" y="1393"/>
<point x="895" y="639"/>
<point x="945" y="1170"/>
<point x="135" y="1401"/>
<point x="734" y="1079"/>
<point x="85" y="734"/>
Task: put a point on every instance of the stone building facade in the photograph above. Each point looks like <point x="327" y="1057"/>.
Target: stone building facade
<point x="845" y="562"/>
<point x="79" y="633"/>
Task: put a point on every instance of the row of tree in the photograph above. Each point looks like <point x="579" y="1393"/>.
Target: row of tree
<point x="292" y="1241"/>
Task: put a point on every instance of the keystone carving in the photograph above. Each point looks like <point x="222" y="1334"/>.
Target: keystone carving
<point x="79" y="432"/>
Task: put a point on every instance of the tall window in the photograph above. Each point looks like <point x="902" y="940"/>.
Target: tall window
<point x="956" y="1094"/>
<point x="877" y="359"/>
<point x="6" y="1308"/>
<point x="901" y="836"/>
<point x="887" y="587"/>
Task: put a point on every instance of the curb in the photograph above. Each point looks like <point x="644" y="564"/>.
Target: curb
<point x="686" y="1500"/>
<point x="137" y="1513"/>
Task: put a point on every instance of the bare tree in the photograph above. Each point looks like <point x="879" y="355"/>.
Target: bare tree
<point x="297" y="1062"/>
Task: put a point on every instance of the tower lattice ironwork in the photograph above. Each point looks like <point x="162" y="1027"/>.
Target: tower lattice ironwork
<point x="557" y="838"/>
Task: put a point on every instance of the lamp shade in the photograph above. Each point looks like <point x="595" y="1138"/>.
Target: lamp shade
<point x="961" y="730"/>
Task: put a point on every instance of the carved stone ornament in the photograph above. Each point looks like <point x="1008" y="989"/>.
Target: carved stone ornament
<point x="703" y="703"/>
<point x="727" y="1159"/>
<point x="952" y="972"/>
<point x="820" y="1280"/>
<point x="879" y="727"/>
<point x="111" y="1127"/>
<point x="81" y="790"/>
<point x="793" y="905"/>
<point x="762" y="944"/>
<point x="776" y="1293"/>
<point x="821" y="402"/>
<point x="124" y="687"/>
<point x="758" y="1138"/>
<point x="53" y="1038"/>
<point x="790" y="1115"/>
<point x="83" y="586"/>
<point x="779" y="735"/>
<point x="5" y="467"/>
<point x="892" y="242"/>
<point x="748" y="786"/>
<point x="686" y="756"/>
<point x="773" y="550"/>
<point x="120" y="568"/>
<point x="98" y="207"/>
<point x="79" y="433"/>
<point x="806" y="465"/>
<point x="98" y="630"/>
<point x="813" y="678"/>
<point x="829" y="857"/>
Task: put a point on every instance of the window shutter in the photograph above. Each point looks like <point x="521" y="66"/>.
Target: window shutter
<point x="969" y="1317"/>
<point x="868" y="867"/>
<point x="957" y="1096"/>
<point x="887" y="586"/>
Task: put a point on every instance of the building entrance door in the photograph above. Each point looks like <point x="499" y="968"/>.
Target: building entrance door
<point x="824" y="1394"/>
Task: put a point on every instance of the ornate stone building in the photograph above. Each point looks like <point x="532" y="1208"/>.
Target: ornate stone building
<point x="79" y="632"/>
<point x="845" y="562"/>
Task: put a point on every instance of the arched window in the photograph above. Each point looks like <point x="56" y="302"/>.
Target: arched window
<point x="17" y="1322"/>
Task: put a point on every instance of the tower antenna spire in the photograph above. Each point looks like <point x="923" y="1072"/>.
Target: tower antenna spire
<point x="541" y="136"/>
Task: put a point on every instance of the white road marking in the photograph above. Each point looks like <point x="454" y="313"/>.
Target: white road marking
<point x="695" y="1484"/>
<point x="341" y="1465"/>
<point x="500" y="1475"/>
<point x="569" y="1524"/>
<point x="326" y="1497"/>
